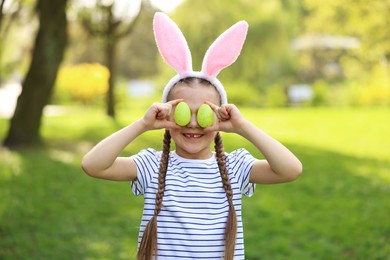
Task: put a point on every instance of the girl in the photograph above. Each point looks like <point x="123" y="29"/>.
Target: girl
<point x="192" y="206"/>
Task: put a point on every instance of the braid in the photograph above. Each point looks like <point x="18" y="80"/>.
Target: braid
<point x="148" y="245"/>
<point x="162" y="171"/>
<point x="231" y="225"/>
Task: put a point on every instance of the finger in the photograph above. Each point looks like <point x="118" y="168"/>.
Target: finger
<point x="213" y="106"/>
<point x="162" y="111"/>
<point x="161" y="115"/>
<point x="216" y="110"/>
<point x="212" y="128"/>
<point x="223" y="112"/>
<point x="175" y="102"/>
<point x="166" y="108"/>
<point x="171" y="125"/>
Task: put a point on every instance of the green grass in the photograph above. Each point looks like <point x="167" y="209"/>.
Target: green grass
<point x="338" y="209"/>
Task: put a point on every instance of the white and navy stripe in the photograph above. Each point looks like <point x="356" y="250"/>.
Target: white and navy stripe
<point x="191" y="224"/>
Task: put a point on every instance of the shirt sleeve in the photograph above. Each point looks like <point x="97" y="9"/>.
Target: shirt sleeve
<point x="147" y="163"/>
<point x="240" y="163"/>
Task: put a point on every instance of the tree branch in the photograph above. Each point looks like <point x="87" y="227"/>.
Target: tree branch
<point x="1" y="10"/>
<point x="133" y="23"/>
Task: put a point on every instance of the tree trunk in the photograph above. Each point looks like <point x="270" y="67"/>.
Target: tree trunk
<point x="1" y="10"/>
<point x="110" y="63"/>
<point x="48" y="52"/>
<point x="110" y="45"/>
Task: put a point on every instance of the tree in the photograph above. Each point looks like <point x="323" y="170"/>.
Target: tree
<point x="266" y="58"/>
<point x="38" y="84"/>
<point x="141" y="47"/>
<point x="12" y="14"/>
<point x="367" y="22"/>
<point x="110" y="28"/>
<point x="2" y="2"/>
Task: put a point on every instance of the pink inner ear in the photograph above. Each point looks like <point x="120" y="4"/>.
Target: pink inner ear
<point x="225" y="50"/>
<point x="171" y="43"/>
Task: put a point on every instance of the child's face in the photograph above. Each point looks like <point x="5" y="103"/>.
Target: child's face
<point x="191" y="141"/>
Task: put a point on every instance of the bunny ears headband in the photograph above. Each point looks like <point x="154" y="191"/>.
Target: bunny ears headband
<point x="174" y="49"/>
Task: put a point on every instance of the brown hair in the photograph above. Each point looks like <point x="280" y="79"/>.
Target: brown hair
<point x="148" y="245"/>
<point x="231" y="224"/>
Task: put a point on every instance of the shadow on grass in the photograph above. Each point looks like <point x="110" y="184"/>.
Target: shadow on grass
<point x="51" y="210"/>
<point x="338" y="209"/>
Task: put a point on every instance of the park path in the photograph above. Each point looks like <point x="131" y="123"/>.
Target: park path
<point x="9" y="93"/>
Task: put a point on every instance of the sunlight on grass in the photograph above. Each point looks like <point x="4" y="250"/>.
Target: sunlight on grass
<point x="360" y="133"/>
<point x="62" y="156"/>
<point x="373" y="169"/>
<point x="353" y="131"/>
<point x="99" y="247"/>
<point x="10" y="164"/>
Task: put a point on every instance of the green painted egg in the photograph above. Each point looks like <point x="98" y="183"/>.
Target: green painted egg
<point x="205" y="116"/>
<point x="182" y="114"/>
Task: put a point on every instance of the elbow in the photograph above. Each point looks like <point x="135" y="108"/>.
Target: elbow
<point x="289" y="173"/>
<point x="293" y="172"/>
<point x="91" y="168"/>
<point x="87" y="167"/>
<point x="296" y="171"/>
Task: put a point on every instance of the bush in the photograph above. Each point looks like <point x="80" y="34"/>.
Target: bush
<point x="320" y="93"/>
<point x="85" y="83"/>
<point x="276" y="96"/>
<point x="243" y="94"/>
<point x="374" y="90"/>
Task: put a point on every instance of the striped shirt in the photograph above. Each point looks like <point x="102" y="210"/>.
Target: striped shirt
<point x="192" y="221"/>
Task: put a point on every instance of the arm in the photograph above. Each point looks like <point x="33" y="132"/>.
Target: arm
<point x="280" y="165"/>
<point x="103" y="160"/>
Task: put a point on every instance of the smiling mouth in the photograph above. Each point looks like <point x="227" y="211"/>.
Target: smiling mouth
<point x="193" y="136"/>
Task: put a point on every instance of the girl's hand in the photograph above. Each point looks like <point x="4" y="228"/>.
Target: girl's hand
<point x="229" y="118"/>
<point x="158" y="115"/>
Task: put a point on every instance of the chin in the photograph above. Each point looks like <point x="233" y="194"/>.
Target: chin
<point x="191" y="153"/>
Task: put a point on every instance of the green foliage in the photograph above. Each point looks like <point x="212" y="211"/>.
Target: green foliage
<point x="243" y="94"/>
<point x="276" y="96"/>
<point x="85" y="83"/>
<point x="17" y="22"/>
<point x="374" y="90"/>
<point x="353" y="18"/>
<point x="265" y="59"/>
<point x="49" y="209"/>
<point x="320" y="92"/>
<point x="140" y="52"/>
<point x="366" y="69"/>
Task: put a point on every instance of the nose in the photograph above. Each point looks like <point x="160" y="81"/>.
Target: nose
<point x="193" y="122"/>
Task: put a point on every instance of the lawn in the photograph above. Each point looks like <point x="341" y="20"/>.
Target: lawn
<point x="338" y="209"/>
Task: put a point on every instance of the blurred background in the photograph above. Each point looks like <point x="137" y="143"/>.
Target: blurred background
<point x="313" y="74"/>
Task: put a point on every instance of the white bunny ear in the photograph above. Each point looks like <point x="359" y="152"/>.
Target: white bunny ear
<point x="171" y="43"/>
<point x="225" y="49"/>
